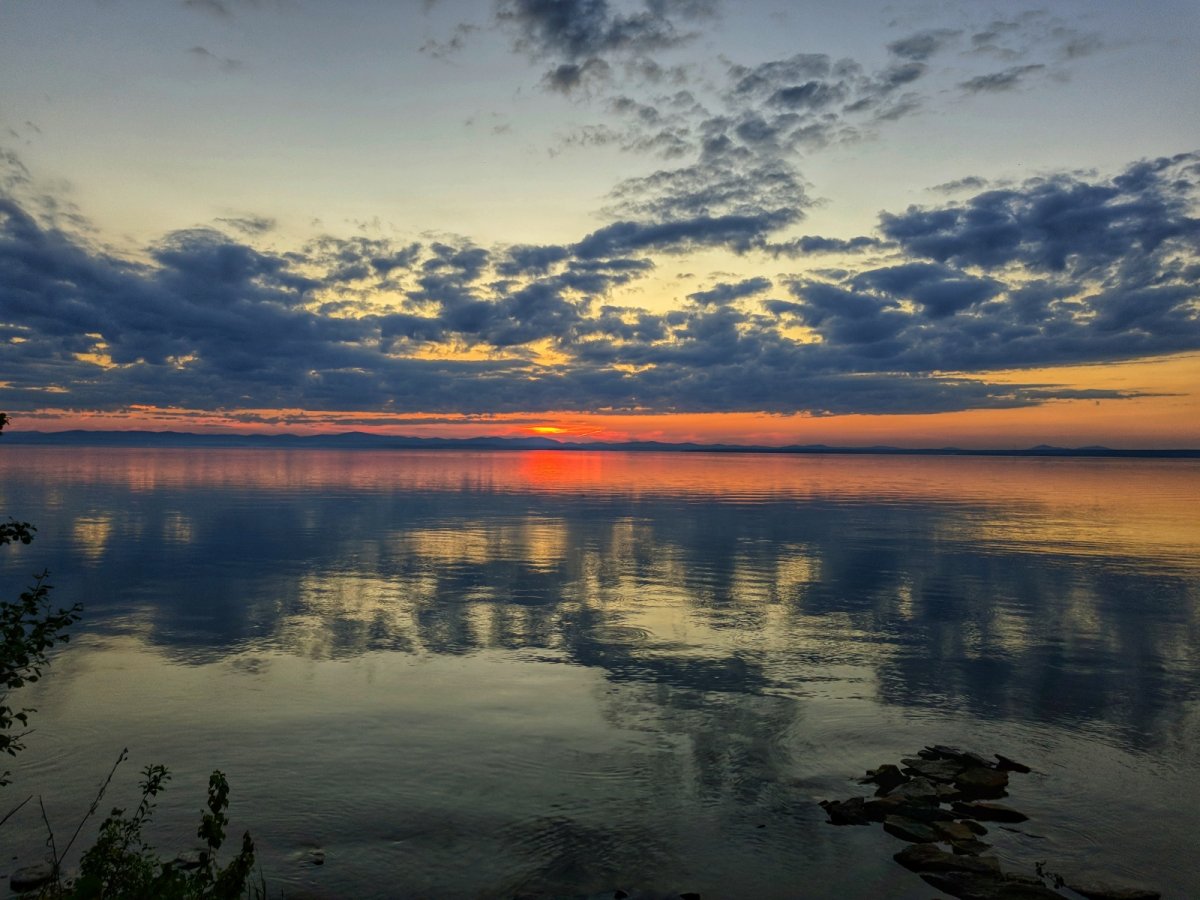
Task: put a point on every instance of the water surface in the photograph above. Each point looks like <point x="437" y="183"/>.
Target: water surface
<point x="480" y="674"/>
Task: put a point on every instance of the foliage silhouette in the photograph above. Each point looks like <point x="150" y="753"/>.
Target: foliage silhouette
<point x="29" y="628"/>
<point x="121" y="864"/>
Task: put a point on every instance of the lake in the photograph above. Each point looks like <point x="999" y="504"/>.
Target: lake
<point x="481" y="674"/>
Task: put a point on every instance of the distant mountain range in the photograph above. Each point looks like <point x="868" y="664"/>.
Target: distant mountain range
<point x="358" y="440"/>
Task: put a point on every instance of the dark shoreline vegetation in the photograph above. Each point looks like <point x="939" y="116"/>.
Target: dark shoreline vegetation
<point x="359" y="440"/>
<point x="121" y="863"/>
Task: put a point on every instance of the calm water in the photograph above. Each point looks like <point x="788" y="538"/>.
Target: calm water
<point x="477" y="674"/>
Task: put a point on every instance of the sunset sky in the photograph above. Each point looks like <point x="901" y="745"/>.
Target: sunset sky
<point x="913" y="223"/>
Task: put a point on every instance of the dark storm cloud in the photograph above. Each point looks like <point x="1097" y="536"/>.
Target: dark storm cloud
<point x="1061" y="269"/>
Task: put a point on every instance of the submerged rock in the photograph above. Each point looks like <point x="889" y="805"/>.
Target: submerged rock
<point x="886" y="777"/>
<point x="848" y="812"/>
<point x="910" y="804"/>
<point x="989" y="812"/>
<point x="189" y="859"/>
<point x="30" y="878"/>
<point x="980" y="781"/>
<point x="1099" y="890"/>
<point x="1011" y="765"/>
<point x="918" y="790"/>
<point x="910" y="830"/>
<point x="928" y="858"/>
<point x="943" y="770"/>
<point x="994" y="886"/>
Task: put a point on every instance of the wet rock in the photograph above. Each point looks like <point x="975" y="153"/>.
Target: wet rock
<point x="981" y="782"/>
<point x="886" y="777"/>
<point x="993" y="886"/>
<point x="955" y="831"/>
<point x="941" y="751"/>
<point x="928" y="858"/>
<point x="970" y="847"/>
<point x="189" y="859"/>
<point x="1004" y="764"/>
<point x="988" y="812"/>
<point x="918" y="790"/>
<point x="943" y="770"/>
<point x="1099" y="890"/>
<point x="880" y="808"/>
<point x="910" y="830"/>
<point x="848" y="812"/>
<point x="977" y="827"/>
<point x="30" y="878"/>
<point x="314" y="858"/>
<point x="947" y="793"/>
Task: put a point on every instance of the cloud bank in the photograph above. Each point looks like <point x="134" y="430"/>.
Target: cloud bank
<point x="1061" y="269"/>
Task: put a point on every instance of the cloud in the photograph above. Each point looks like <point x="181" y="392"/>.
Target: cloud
<point x="725" y="292"/>
<point x="571" y="30"/>
<point x="1062" y="223"/>
<point x="207" y="56"/>
<point x="968" y="183"/>
<point x="922" y="45"/>
<point x="249" y="225"/>
<point x="1005" y="80"/>
<point x="1058" y="270"/>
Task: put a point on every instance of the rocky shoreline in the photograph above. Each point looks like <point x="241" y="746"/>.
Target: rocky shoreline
<point x="943" y="796"/>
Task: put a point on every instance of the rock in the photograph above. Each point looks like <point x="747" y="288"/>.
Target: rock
<point x="947" y="792"/>
<point x="30" y="878"/>
<point x="970" y="847"/>
<point x="988" y="812"/>
<point x="1011" y="765"/>
<point x="918" y="790"/>
<point x="847" y="812"/>
<point x="886" y="776"/>
<point x="993" y="886"/>
<point x="955" y="831"/>
<point x="315" y="858"/>
<point x="977" y="827"/>
<point x="928" y="858"/>
<point x="189" y="859"/>
<point x="941" y="751"/>
<point x="1099" y="890"/>
<point x="982" y="782"/>
<point x="934" y="769"/>
<point x="910" y="830"/>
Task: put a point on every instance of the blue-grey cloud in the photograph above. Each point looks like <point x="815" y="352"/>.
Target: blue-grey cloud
<point x="1058" y="270"/>
<point x="727" y="292"/>
<point x="1005" y="80"/>
<point x="922" y="45"/>
<point x="581" y="29"/>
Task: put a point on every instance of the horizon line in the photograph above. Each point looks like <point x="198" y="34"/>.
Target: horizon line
<point x="374" y="440"/>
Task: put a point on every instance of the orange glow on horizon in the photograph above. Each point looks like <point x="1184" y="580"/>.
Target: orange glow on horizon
<point x="1166" y="415"/>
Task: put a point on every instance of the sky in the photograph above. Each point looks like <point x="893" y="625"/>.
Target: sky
<point x="911" y="223"/>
